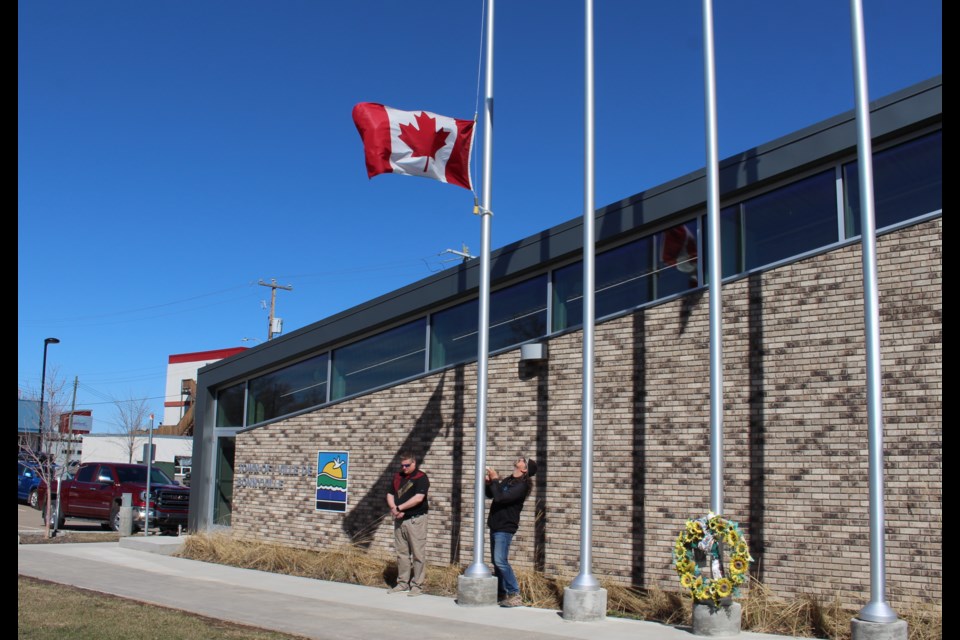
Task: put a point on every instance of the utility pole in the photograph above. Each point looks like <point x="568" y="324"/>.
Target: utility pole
<point x="273" y="302"/>
<point x="73" y="410"/>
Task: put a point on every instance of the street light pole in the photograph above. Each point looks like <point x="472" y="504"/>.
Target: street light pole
<point x="43" y="383"/>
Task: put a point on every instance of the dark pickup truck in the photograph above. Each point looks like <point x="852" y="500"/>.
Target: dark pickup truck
<point x="95" y="491"/>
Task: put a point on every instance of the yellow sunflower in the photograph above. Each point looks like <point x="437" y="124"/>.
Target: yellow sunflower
<point x="686" y="565"/>
<point x="722" y="587"/>
<point x="741" y="548"/>
<point x="731" y="537"/>
<point x="738" y="565"/>
<point x="686" y="580"/>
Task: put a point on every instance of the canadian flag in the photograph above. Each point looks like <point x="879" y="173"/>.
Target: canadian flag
<point x="415" y="143"/>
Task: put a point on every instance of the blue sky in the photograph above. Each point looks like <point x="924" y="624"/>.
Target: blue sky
<point x="171" y="154"/>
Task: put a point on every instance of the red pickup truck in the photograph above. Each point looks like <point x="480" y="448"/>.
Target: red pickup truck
<point x="95" y="491"/>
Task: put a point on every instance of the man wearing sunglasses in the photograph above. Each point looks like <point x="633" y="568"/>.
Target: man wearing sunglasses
<point x="407" y="500"/>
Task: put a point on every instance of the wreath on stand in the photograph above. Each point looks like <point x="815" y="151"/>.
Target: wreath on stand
<point x="705" y="542"/>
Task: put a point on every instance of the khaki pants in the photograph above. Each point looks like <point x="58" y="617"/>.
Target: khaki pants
<point x="410" y="536"/>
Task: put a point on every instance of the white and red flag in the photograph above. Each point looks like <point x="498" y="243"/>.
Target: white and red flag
<point x="415" y="143"/>
<point x="679" y="249"/>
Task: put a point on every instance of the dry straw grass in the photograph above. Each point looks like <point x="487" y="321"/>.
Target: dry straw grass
<point x="762" y="612"/>
<point x="809" y="616"/>
<point x="346" y="563"/>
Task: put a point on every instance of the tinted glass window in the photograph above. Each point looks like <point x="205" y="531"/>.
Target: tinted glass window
<point x="907" y="182"/>
<point x="795" y="218"/>
<point x="517" y="313"/>
<point x="287" y="390"/>
<point x="230" y="406"/>
<point x="85" y="474"/>
<point x="623" y="279"/>
<point x="381" y="359"/>
<point x="453" y="334"/>
<point x="731" y="244"/>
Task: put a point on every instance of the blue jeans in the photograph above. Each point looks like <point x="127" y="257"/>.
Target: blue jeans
<point x="500" y="552"/>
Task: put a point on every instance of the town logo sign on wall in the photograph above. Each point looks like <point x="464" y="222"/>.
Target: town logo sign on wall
<point x="333" y="469"/>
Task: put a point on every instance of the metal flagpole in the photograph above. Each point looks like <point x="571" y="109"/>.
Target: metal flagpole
<point x="479" y="569"/>
<point x="714" y="273"/>
<point x="877" y="610"/>
<point x="584" y="600"/>
<point x="586" y="580"/>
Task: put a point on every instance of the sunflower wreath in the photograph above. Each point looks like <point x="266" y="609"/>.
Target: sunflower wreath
<point x="711" y="537"/>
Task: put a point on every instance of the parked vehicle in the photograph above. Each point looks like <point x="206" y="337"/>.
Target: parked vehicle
<point x="96" y="490"/>
<point x="28" y="480"/>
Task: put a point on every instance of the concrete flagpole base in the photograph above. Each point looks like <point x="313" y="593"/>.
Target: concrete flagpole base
<point x="864" y="630"/>
<point x="477" y="592"/>
<point x="126" y="521"/>
<point x="584" y="606"/>
<point x="709" y="620"/>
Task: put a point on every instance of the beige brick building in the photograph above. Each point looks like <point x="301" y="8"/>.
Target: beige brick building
<point x="795" y="447"/>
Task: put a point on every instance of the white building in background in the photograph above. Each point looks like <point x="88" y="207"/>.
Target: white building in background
<point x="181" y="368"/>
<point x="174" y="450"/>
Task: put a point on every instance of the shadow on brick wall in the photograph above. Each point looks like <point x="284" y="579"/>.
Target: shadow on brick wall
<point x="639" y="451"/>
<point x="456" y="459"/>
<point x="540" y="371"/>
<point x="757" y="426"/>
<point x="364" y="518"/>
<point x="688" y="303"/>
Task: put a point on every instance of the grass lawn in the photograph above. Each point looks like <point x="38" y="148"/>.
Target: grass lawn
<point x="52" y="611"/>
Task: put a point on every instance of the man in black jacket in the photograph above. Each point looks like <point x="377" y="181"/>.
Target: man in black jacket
<point x="508" y="495"/>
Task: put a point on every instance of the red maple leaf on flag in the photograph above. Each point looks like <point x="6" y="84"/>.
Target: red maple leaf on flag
<point x="424" y="139"/>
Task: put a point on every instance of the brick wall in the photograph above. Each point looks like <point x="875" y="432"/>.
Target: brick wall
<point x="795" y="436"/>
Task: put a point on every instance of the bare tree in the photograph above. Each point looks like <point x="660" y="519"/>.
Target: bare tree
<point x="47" y="450"/>
<point x="132" y="416"/>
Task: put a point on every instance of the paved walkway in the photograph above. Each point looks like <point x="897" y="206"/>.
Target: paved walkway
<point x="303" y="606"/>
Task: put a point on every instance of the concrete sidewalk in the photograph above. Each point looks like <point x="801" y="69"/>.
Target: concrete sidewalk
<point x="303" y="606"/>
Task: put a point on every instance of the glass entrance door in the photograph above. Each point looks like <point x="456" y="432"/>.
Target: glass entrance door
<point x="223" y="485"/>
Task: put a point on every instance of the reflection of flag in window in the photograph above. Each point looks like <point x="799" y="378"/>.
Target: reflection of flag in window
<point x="679" y="249"/>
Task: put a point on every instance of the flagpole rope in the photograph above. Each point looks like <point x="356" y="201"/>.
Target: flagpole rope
<point x="476" y="104"/>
